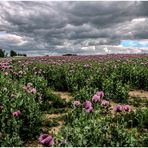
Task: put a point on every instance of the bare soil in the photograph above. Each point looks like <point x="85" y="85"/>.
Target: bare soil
<point x="139" y="93"/>
<point x="64" y="95"/>
<point x="57" y="128"/>
<point x="67" y="97"/>
<point x="50" y="116"/>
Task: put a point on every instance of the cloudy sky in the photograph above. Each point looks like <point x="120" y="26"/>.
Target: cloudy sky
<point x="56" y="28"/>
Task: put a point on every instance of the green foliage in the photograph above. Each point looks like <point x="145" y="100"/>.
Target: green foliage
<point x="85" y="93"/>
<point x="82" y="79"/>
<point x="57" y="102"/>
<point x="93" y="131"/>
<point x="114" y="89"/>
<point x="15" y="130"/>
<point x="96" y="130"/>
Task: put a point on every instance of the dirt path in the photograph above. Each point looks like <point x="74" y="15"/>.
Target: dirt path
<point x="64" y="95"/>
<point x="139" y="93"/>
<point x="67" y="97"/>
<point x="57" y="128"/>
<point x="51" y="117"/>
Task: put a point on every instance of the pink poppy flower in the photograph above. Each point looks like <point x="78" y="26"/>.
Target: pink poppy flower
<point x="105" y="103"/>
<point x="100" y="93"/>
<point x="46" y="140"/>
<point x="87" y="104"/>
<point x="89" y="110"/>
<point x="16" y="114"/>
<point x="127" y="108"/>
<point x="76" y="103"/>
<point x="118" y="108"/>
<point x="96" y="98"/>
<point x="42" y="137"/>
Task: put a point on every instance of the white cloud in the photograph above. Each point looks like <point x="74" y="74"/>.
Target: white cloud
<point x="139" y="20"/>
<point x="13" y="39"/>
<point x="89" y="48"/>
<point x="76" y="27"/>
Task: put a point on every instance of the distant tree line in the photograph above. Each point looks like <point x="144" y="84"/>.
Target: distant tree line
<point x="69" y="54"/>
<point x="12" y="54"/>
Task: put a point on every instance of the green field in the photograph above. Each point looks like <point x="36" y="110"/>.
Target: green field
<point x="74" y="101"/>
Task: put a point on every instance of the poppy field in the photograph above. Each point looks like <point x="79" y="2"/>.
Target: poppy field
<point x="74" y="101"/>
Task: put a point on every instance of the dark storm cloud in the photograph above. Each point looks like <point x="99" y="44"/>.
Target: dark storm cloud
<point x="60" y="27"/>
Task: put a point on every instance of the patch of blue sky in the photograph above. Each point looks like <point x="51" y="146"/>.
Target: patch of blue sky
<point x="135" y="43"/>
<point x="2" y="33"/>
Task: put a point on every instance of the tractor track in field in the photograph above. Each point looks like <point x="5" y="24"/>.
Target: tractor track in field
<point x="64" y="95"/>
<point x="67" y="97"/>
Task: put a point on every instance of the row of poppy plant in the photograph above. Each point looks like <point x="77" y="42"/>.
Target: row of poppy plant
<point x="48" y="140"/>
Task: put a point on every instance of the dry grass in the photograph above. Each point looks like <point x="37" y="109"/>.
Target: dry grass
<point x="64" y="95"/>
<point x="139" y="93"/>
<point x="50" y="116"/>
<point x="57" y="128"/>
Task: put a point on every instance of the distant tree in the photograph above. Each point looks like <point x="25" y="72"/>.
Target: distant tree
<point x="25" y="55"/>
<point x="20" y="54"/>
<point x="2" y="53"/>
<point x="69" y="54"/>
<point x="13" y="53"/>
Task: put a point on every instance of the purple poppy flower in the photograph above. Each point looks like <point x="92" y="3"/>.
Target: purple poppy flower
<point x="105" y="103"/>
<point x="42" y="137"/>
<point x="100" y="93"/>
<point x="96" y="98"/>
<point x="16" y="114"/>
<point x="127" y="108"/>
<point x="76" y="103"/>
<point x="46" y="140"/>
<point x="118" y="108"/>
<point x="87" y="104"/>
<point x="89" y="110"/>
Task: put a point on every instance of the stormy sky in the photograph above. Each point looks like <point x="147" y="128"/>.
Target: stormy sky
<point x="55" y="28"/>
